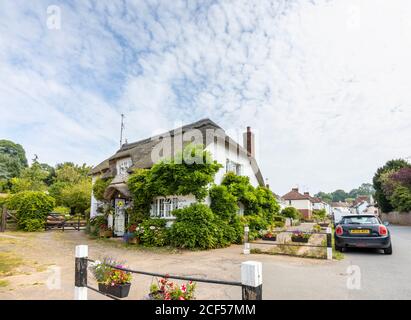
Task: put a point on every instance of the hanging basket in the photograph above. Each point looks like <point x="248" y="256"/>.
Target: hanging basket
<point x="118" y="290"/>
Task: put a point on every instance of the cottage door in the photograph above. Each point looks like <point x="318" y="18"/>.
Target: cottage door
<point x="119" y="218"/>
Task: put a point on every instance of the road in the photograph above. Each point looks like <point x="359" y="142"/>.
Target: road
<point x="382" y="276"/>
<point x="363" y="274"/>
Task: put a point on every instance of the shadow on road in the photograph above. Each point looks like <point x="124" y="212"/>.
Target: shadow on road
<point x="363" y="251"/>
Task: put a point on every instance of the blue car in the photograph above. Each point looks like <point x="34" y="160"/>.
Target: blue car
<point x="362" y="231"/>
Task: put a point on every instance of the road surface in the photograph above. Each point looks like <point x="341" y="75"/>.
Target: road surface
<point x="363" y="274"/>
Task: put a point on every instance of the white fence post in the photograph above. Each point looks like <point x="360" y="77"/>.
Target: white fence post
<point x="252" y="280"/>
<point x="246" y="243"/>
<point x="80" y="278"/>
<point x="329" y="244"/>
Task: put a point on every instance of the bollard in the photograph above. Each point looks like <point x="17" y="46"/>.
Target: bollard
<point x="329" y="244"/>
<point x="246" y="243"/>
<point x="252" y="280"/>
<point x="80" y="278"/>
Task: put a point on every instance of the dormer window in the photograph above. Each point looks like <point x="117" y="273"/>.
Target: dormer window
<point x="123" y="165"/>
<point x="234" y="167"/>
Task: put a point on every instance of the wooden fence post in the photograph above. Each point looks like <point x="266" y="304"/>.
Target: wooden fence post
<point x="329" y="244"/>
<point x="80" y="282"/>
<point x="252" y="280"/>
<point x="246" y="243"/>
<point x="3" y="219"/>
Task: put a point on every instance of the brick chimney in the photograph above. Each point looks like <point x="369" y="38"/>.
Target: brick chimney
<point x="306" y="193"/>
<point x="248" y="142"/>
<point x="295" y="189"/>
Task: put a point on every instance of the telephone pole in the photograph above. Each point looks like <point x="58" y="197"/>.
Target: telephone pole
<point x="122" y="130"/>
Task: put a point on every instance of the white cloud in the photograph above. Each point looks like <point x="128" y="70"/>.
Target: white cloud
<point x="325" y="83"/>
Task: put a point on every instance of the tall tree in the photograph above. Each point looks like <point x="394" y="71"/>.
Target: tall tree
<point x="380" y="197"/>
<point x="12" y="161"/>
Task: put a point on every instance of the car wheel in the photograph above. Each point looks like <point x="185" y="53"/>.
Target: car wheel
<point x="388" y="250"/>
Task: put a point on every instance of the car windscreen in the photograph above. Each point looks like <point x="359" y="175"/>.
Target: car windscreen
<point x="360" y="220"/>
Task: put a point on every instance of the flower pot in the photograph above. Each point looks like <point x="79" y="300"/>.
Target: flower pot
<point x="106" y="234"/>
<point x="274" y="238"/>
<point x="324" y="224"/>
<point x="299" y="239"/>
<point x="118" y="290"/>
<point x="133" y="241"/>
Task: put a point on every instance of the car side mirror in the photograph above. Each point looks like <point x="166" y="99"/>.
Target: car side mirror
<point x="386" y="223"/>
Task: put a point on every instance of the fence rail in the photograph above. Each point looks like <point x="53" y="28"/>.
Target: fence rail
<point x="327" y="246"/>
<point x="251" y="277"/>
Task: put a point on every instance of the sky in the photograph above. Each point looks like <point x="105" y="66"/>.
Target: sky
<point x="325" y="85"/>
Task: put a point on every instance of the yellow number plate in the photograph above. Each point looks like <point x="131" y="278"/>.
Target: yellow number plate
<point x="360" y="231"/>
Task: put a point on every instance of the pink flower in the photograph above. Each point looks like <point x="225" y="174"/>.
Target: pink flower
<point x="181" y="298"/>
<point x="183" y="288"/>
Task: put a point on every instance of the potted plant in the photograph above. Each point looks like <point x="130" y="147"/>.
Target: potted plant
<point x="299" y="236"/>
<point x="317" y="228"/>
<point x="105" y="231"/>
<point x="167" y="290"/>
<point x="131" y="238"/>
<point x="270" y="236"/>
<point x="115" y="282"/>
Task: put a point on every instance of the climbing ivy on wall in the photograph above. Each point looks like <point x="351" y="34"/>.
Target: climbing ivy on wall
<point x="176" y="176"/>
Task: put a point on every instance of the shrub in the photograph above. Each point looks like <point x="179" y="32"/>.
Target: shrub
<point x="279" y="221"/>
<point x="62" y="210"/>
<point x="99" y="187"/>
<point x="291" y="212"/>
<point x="401" y="199"/>
<point x="195" y="227"/>
<point x="319" y="214"/>
<point x="155" y="233"/>
<point x="32" y="209"/>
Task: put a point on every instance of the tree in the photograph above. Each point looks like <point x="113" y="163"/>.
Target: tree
<point x="291" y="212"/>
<point x="380" y="197"/>
<point x="339" y="195"/>
<point x="69" y="172"/>
<point x="76" y="196"/>
<point x="401" y="199"/>
<point x="31" y="179"/>
<point x="326" y="197"/>
<point x="12" y="161"/>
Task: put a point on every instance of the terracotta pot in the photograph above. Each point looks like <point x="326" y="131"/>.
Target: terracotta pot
<point x="119" y="290"/>
<point x="106" y="234"/>
<point x="133" y="241"/>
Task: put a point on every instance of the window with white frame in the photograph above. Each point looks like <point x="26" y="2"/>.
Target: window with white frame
<point x="234" y="167"/>
<point x="162" y="207"/>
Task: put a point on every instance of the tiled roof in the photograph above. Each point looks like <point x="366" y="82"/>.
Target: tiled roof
<point x="295" y="195"/>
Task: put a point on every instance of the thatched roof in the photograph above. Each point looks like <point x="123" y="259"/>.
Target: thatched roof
<point x="140" y="151"/>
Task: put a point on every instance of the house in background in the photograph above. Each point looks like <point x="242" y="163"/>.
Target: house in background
<point x="340" y="209"/>
<point x="302" y="202"/>
<point x="319" y="204"/>
<point x="364" y="204"/>
<point x="234" y="157"/>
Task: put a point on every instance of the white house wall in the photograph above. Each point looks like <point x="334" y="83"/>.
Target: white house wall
<point x="220" y="153"/>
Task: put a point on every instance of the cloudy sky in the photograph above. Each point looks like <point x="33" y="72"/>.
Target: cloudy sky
<point x="325" y="84"/>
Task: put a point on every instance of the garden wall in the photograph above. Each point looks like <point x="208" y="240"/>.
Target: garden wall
<point x="400" y="218"/>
